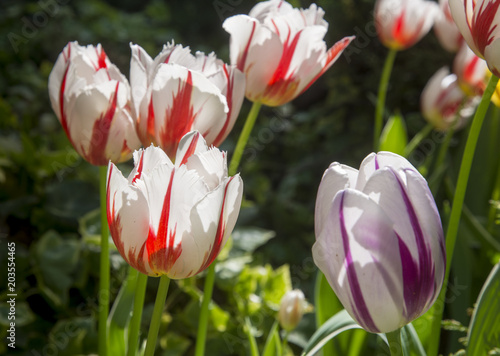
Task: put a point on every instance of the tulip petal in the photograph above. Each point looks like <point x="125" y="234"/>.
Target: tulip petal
<point x="491" y="55"/>
<point x="128" y="219"/>
<point x="374" y="162"/>
<point x="359" y="264"/>
<point x="191" y="144"/>
<point x="146" y="160"/>
<point x="460" y="11"/>
<point x="337" y="177"/>
<point x="183" y="99"/>
<point x="210" y="165"/>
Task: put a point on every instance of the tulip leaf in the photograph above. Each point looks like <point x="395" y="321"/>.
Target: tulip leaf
<point x="410" y="342"/>
<point x="484" y="329"/>
<point x="337" y="324"/>
<point x="120" y="313"/>
<point x="273" y="342"/>
<point x="394" y="137"/>
<point x="250" y="238"/>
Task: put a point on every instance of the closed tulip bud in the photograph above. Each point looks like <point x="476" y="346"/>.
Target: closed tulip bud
<point x="178" y="92"/>
<point x="91" y="99"/>
<point x="443" y="102"/>
<point x="379" y="241"/>
<point x="280" y="49"/>
<point x="478" y="21"/>
<point x="446" y="30"/>
<point x="402" y="23"/>
<point x="173" y="219"/>
<point x="292" y="307"/>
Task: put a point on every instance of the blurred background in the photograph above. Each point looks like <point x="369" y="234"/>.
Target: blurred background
<point x="49" y="196"/>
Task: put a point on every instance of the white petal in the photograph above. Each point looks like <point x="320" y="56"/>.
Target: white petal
<point x="146" y="160"/>
<point x="189" y="145"/>
<point x="210" y="165"/>
<point x="457" y="8"/>
<point x="140" y="66"/>
<point x="337" y="177"/>
<point x="374" y="162"/>
<point x="491" y="54"/>
<point x="357" y="253"/>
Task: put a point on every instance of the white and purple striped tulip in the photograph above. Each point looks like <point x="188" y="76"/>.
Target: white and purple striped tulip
<point x="379" y="241"/>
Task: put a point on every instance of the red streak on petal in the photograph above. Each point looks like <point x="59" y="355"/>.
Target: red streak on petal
<point x="161" y="249"/>
<point x="147" y="138"/>
<point x="101" y="59"/>
<point x="229" y="96"/>
<point x="139" y="169"/>
<point x="401" y="37"/>
<point x="468" y="75"/>
<point x="180" y="117"/>
<point x="100" y="133"/>
<point x="219" y="235"/>
<point x="191" y="148"/>
<point x="482" y="26"/>
<point x="242" y="60"/>
<point x="64" y="121"/>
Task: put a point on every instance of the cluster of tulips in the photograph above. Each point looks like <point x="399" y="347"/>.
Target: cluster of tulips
<point x="379" y="238"/>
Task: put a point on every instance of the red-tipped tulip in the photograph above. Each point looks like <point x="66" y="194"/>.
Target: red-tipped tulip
<point x="444" y="104"/>
<point x="91" y="99"/>
<point x="379" y="241"/>
<point x="177" y="92"/>
<point x="402" y="23"/>
<point x="479" y="23"/>
<point x="173" y="219"/>
<point x="281" y="50"/>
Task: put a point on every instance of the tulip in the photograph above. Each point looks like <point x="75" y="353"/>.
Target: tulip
<point x="402" y="23"/>
<point x="379" y="241"/>
<point x="473" y="74"/>
<point x="446" y="30"/>
<point x="177" y="92"/>
<point x="292" y="307"/>
<point x="173" y="219"/>
<point x="478" y="21"/>
<point x="443" y="102"/>
<point x="91" y="99"/>
<point x="281" y="50"/>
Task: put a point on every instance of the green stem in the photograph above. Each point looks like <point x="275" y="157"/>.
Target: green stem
<point x="135" y="322"/>
<point x="456" y="209"/>
<point x="254" y="351"/>
<point x="203" y="319"/>
<point x="285" y="343"/>
<point x="410" y="147"/>
<point x="243" y="139"/>
<point x="104" y="268"/>
<point x="157" y="314"/>
<point x="382" y="93"/>
<point x="395" y="344"/>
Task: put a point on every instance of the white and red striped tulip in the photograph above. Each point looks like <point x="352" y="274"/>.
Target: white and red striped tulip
<point x="479" y="23"/>
<point x="178" y="92"/>
<point x="280" y="49"/>
<point x="444" y="104"/>
<point x="402" y="23"/>
<point x="471" y="71"/>
<point x="91" y="99"/>
<point x="379" y="241"/>
<point x="173" y="219"/>
<point x="446" y="30"/>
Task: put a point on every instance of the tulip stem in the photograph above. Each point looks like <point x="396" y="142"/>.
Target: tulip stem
<point x="382" y="93"/>
<point x="203" y="319"/>
<point x="456" y="208"/>
<point x="395" y="344"/>
<point x="243" y="139"/>
<point x="104" y="268"/>
<point x="154" y="327"/>
<point x="417" y="139"/>
<point x="135" y="322"/>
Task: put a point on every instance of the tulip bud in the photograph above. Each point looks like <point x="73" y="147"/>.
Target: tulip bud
<point x="292" y="307"/>
<point x="280" y="49"/>
<point x="379" y="241"/>
<point x="443" y="102"/>
<point x="91" y="99"/>
<point x="478" y="21"/>
<point x="402" y="23"/>
<point x="173" y="219"/>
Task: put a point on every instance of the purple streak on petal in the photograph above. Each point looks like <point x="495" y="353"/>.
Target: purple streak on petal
<point x="376" y="163"/>
<point x="411" y="280"/>
<point x="360" y="309"/>
<point x="416" y="302"/>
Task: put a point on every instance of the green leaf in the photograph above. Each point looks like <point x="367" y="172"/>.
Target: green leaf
<point x="23" y="314"/>
<point x="273" y="342"/>
<point x="410" y="341"/>
<point x="56" y="260"/>
<point x="484" y="329"/>
<point x="278" y="283"/>
<point x="337" y="324"/>
<point x="249" y="239"/>
<point x="74" y="336"/>
<point x="394" y="137"/>
<point x="119" y="316"/>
